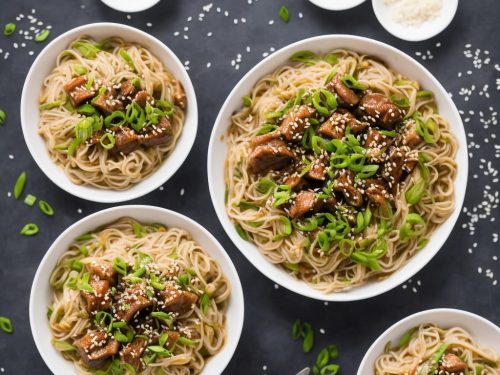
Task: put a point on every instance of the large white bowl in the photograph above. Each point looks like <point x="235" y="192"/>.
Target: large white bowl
<point x="218" y="148"/>
<point x="482" y="330"/>
<point x="41" y="292"/>
<point x="337" y="4"/>
<point x="42" y="67"/>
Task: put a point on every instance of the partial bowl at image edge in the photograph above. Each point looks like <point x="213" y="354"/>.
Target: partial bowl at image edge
<point x="43" y="65"/>
<point x="397" y="60"/>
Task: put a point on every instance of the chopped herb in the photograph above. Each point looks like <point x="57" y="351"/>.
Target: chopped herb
<point x="284" y="14"/>
<point x="9" y="29"/>
<point x="45" y="208"/>
<point x="30" y="200"/>
<point x="6" y="324"/>
<point x="19" y="186"/>
<point x="204" y="300"/>
<point x="47" y="106"/>
<point x="42" y="36"/>
<point x="3" y="116"/>
<point x="243" y="234"/>
<point x="247" y="101"/>
<point x="29" y="229"/>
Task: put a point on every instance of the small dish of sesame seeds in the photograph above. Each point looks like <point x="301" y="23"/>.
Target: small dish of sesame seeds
<point x="130" y="6"/>
<point x="337" y="4"/>
<point x="415" y="20"/>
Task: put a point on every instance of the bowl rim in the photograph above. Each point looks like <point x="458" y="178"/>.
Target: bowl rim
<point x="419" y="318"/>
<point x="117" y="5"/>
<point x="236" y="298"/>
<point x="273" y="273"/>
<point x="146" y="185"/>
<point x="345" y="4"/>
<point x="411" y="36"/>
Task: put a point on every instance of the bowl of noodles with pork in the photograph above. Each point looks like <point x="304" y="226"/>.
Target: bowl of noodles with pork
<point x="136" y="290"/>
<point x="338" y="167"/>
<point x="108" y="112"/>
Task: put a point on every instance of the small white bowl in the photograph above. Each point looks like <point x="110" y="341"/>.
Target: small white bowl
<point x="45" y="63"/>
<point x="482" y="330"/>
<point x="41" y="292"/>
<point x="399" y="61"/>
<point x="337" y="4"/>
<point x="130" y="6"/>
<point x="425" y="31"/>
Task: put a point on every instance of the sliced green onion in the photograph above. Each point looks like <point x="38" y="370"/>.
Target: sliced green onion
<point x="107" y="141"/>
<point x="83" y="283"/>
<point x="73" y="147"/>
<point x="3" y="116"/>
<point x="330" y="76"/>
<point x="244" y="205"/>
<point x="204" y="301"/>
<point x="323" y="358"/>
<point x="120" y="337"/>
<point x="84" y="237"/>
<point x="308" y="335"/>
<point x="424" y="94"/>
<point x="167" y="107"/>
<point x="84" y="129"/>
<point x="155" y="282"/>
<point x="117" y="118"/>
<point x="428" y="130"/>
<point x="125" y="56"/>
<point x="284" y="14"/>
<point x="47" y="106"/>
<point x="19" y="186"/>
<point x="6" y="324"/>
<point x="416" y="192"/>
<point x="247" y="101"/>
<point x="167" y="318"/>
<point x="267" y="128"/>
<point x="297" y="330"/>
<point x="400" y="101"/>
<point x="86" y="109"/>
<point x="29" y="229"/>
<point x="271" y="115"/>
<point x="307" y="225"/>
<point x="287" y="229"/>
<point x="413" y="226"/>
<point x="62" y="346"/>
<point x="324" y="102"/>
<point x="158" y="350"/>
<point x="242" y="232"/>
<point x="44" y="34"/>
<point x="86" y="49"/>
<point x="76" y="265"/>
<point x="331" y="59"/>
<point x="362" y="258"/>
<point x="405" y="339"/>
<point x="153" y="115"/>
<point x="304" y="56"/>
<point x="30" y="200"/>
<point x="9" y="29"/>
<point x="185" y="341"/>
<point x="282" y="194"/>
<point x="80" y="70"/>
<point x="367" y="171"/>
<point x="119" y="265"/>
<point x="90" y="83"/>
<point x="265" y="185"/>
<point x="388" y="133"/>
<point x="46" y="208"/>
<point x="352" y="82"/>
<point x="331" y="369"/>
<point x="135" y="116"/>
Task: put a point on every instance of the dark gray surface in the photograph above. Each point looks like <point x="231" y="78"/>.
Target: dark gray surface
<point x="450" y="280"/>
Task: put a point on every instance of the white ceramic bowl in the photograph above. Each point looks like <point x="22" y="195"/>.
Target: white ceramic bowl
<point x="337" y="4"/>
<point x="42" y="67"/>
<point x="425" y="31"/>
<point x="41" y="292"/>
<point x="130" y="5"/>
<point x="482" y="330"/>
<point x="218" y="148"/>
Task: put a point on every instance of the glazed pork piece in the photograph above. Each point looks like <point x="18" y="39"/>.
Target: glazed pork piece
<point x="346" y="97"/>
<point x="379" y="110"/>
<point x="77" y="92"/>
<point x="95" y="347"/>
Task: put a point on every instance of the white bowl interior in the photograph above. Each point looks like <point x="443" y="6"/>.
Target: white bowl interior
<point x="130" y="5"/>
<point x="425" y="31"/>
<point x="483" y="331"/>
<point x="42" y="67"/>
<point x="337" y="4"/>
<point x="322" y="44"/>
<point x="41" y="292"/>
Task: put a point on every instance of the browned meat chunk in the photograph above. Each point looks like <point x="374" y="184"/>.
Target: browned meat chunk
<point x="77" y="93"/>
<point x="103" y="269"/>
<point x="295" y="122"/>
<point x="376" y="191"/>
<point x="345" y="185"/>
<point x="108" y="101"/>
<point x="95" y="138"/>
<point x="142" y="97"/>
<point x="410" y="135"/>
<point x="295" y="181"/>
<point x="334" y="127"/>
<point x="172" y="339"/>
<point x="318" y="167"/>
<point x="331" y="204"/>
<point x="179" y="95"/>
<point x="378" y="109"/>
<point x="159" y="134"/>
<point x="273" y="155"/>
<point x="346" y="96"/>
<point x="356" y="125"/>
<point x="305" y="202"/>
<point x="452" y="364"/>
<point x="411" y="160"/>
<point x="126" y="141"/>
<point x="127" y="90"/>
<point x="264" y="138"/>
<point x="100" y="298"/>
<point x="176" y="300"/>
<point x="132" y="353"/>
<point x="131" y="301"/>
<point x="393" y="167"/>
<point x="376" y="143"/>
<point x="95" y="347"/>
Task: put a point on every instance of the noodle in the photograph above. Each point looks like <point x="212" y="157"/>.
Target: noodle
<point x="170" y="249"/>
<point x="425" y="342"/>
<point x="94" y="165"/>
<point x="298" y="253"/>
